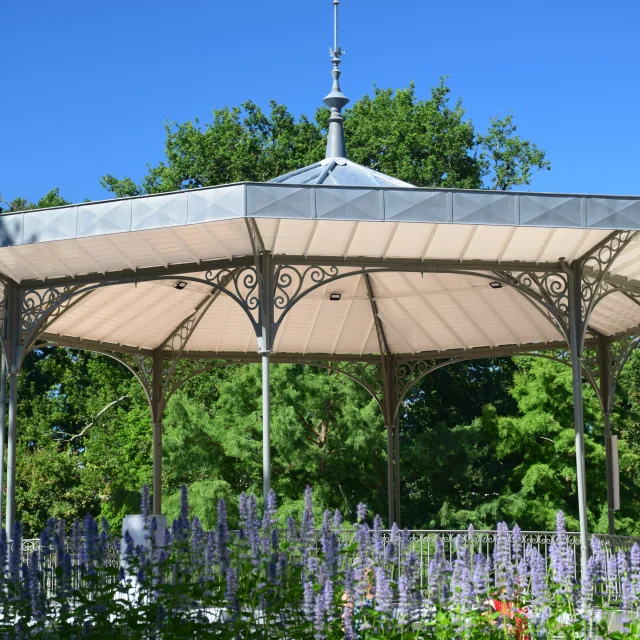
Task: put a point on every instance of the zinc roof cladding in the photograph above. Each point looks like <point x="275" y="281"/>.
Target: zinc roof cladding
<point x="340" y="172"/>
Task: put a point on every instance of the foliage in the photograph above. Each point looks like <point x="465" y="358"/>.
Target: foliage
<point x="50" y="199"/>
<point x="427" y="143"/>
<point x="338" y="581"/>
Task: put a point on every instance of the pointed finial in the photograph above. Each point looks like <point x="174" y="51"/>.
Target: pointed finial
<point x="336" y="100"/>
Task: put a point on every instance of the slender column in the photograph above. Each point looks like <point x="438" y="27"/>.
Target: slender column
<point x="390" y="456"/>
<point x="607" y="406"/>
<point x="11" y="453"/>
<point x="3" y="424"/>
<point x="156" y="416"/>
<point x="575" y="335"/>
<point x="266" y="426"/>
<point x="397" y="467"/>
<point x="265" y="346"/>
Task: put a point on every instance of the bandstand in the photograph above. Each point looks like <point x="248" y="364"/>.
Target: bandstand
<point x="334" y="265"/>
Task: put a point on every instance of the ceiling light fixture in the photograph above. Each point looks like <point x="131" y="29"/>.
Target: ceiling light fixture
<point x="495" y="285"/>
<point x="335" y="296"/>
<point x="180" y="285"/>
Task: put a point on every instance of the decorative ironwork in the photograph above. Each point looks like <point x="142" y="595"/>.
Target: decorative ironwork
<point x="243" y="286"/>
<point x="549" y="289"/>
<point x="141" y="366"/>
<point x="596" y="265"/>
<point x="40" y="305"/>
<point x="292" y="284"/>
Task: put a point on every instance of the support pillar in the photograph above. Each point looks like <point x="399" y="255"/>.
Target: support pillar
<point x="576" y="331"/>
<point x="397" y="466"/>
<point x="11" y="452"/>
<point x="606" y="401"/>
<point x="265" y="347"/>
<point x="3" y="425"/>
<point x="157" y="409"/>
<point x="266" y="425"/>
<point x="389" y="409"/>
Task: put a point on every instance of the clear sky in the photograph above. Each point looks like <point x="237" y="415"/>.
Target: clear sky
<point x="86" y="86"/>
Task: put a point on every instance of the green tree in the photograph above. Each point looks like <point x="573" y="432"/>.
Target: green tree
<point x="428" y="143"/>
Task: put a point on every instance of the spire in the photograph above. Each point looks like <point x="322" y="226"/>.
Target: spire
<point x="336" y="100"/>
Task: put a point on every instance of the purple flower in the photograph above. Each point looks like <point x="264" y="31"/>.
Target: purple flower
<point x="144" y="501"/>
<point x="384" y="597"/>
<point x="292" y="535"/>
<point x="4" y="547"/>
<point x="46" y="538"/>
<point x="361" y="512"/>
<point x="635" y="568"/>
<point x="76" y="539"/>
<point x="328" y="596"/>
<point x="90" y="543"/>
<point x="502" y="558"/>
<point x="378" y="543"/>
<point x="222" y="536"/>
<point x="405" y="601"/>
<point x="59" y="542"/>
<point x="308" y="523"/>
<point x="319" y="616"/>
<point x="308" y="601"/>
<point x="15" y="555"/>
<point x="37" y="596"/>
<point x="231" y="593"/>
<point x="438" y="572"/>
<point x="337" y="520"/>
<point x="516" y="543"/>
<point x="561" y="565"/>
<point x="480" y="574"/>
<point x="347" y="620"/>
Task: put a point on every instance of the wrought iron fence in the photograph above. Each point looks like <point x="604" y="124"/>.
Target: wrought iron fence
<point x="423" y="543"/>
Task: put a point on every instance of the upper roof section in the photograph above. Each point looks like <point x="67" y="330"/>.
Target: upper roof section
<point x="339" y="172"/>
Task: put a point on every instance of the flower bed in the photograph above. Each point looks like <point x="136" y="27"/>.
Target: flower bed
<point x="348" y="582"/>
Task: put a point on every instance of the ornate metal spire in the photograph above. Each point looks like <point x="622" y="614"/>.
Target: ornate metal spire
<point x="336" y="100"/>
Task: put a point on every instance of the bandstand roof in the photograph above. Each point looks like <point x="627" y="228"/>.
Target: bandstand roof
<point x="335" y="214"/>
<point x="192" y="232"/>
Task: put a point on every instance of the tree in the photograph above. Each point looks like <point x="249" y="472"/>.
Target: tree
<point x="427" y="143"/>
<point x="50" y="199"/>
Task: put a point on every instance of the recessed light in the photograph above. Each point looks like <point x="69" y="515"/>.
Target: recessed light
<point x="495" y="285"/>
<point x="335" y="296"/>
<point x="180" y="285"/>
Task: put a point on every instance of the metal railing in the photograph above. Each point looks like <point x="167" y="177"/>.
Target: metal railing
<point x="423" y="544"/>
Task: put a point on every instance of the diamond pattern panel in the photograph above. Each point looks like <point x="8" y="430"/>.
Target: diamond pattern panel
<point x="113" y="216"/>
<point x="613" y="213"/>
<point x="159" y="211"/>
<point x="349" y="204"/>
<point x="54" y="224"/>
<point x="417" y="206"/>
<point x="484" y="208"/>
<point x="11" y="230"/>
<point x="551" y="211"/>
<point x="215" y="204"/>
<point x="280" y="202"/>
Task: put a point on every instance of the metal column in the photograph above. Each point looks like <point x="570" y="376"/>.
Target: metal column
<point x="265" y="346"/>
<point x="11" y="337"/>
<point x="3" y="425"/>
<point x="606" y="400"/>
<point x="157" y="407"/>
<point x="576" y="345"/>
<point x="397" y="465"/>
<point x="266" y="426"/>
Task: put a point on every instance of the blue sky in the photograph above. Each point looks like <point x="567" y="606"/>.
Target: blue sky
<point x="86" y="86"/>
